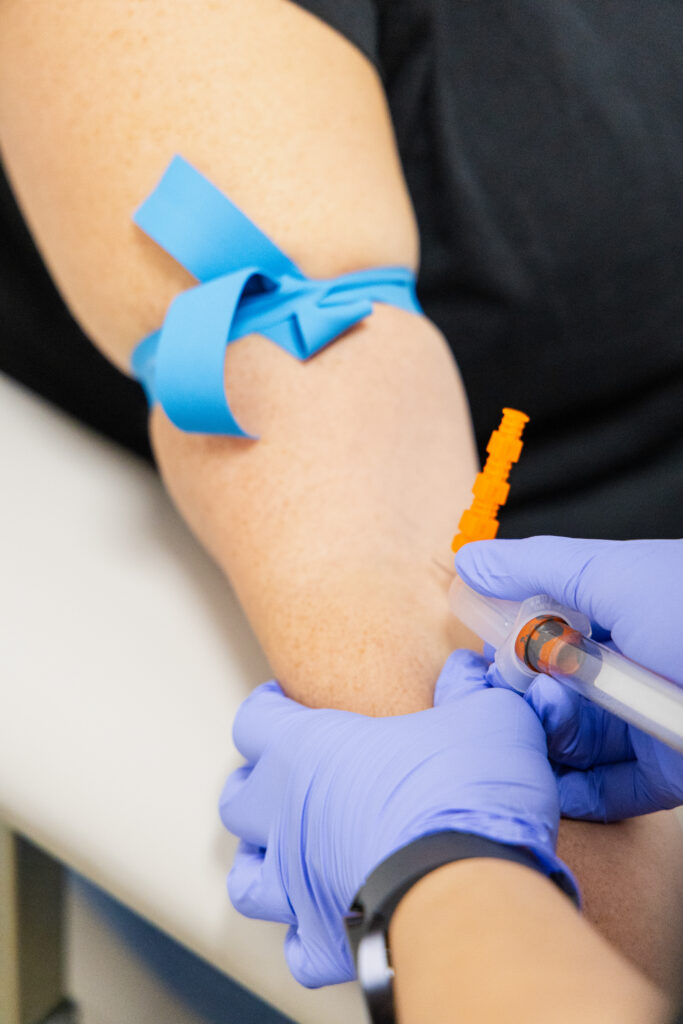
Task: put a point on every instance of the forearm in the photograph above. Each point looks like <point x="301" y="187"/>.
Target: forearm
<point x="489" y="941"/>
<point x="331" y="525"/>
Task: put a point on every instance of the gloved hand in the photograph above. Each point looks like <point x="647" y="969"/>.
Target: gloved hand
<point x="607" y="770"/>
<point x="326" y="796"/>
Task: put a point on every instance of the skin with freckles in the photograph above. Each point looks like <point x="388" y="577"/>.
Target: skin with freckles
<point x="329" y="526"/>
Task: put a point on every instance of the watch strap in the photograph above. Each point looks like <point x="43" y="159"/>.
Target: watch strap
<point x="367" y="923"/>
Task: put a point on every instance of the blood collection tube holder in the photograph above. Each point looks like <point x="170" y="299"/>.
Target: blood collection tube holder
<point x="607" y="678"/>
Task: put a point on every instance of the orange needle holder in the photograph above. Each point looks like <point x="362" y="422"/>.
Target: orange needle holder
<point x="491" y="487"/>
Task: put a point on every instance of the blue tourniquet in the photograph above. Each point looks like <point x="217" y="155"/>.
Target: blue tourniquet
<point x="247" y="285"/>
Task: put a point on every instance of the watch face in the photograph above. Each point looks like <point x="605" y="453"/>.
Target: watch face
<point x="376" y="977"/>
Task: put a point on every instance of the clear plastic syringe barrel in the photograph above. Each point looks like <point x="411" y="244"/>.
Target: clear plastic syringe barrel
<point x="640" y="697"/>
<point x="547" y="644"/>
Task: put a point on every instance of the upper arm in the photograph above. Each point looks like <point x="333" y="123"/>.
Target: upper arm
<point x="277" y="109"/>
<point x="290" y="121"/>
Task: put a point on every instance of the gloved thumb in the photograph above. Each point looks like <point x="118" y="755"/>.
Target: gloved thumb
<point x="261" y="717"/>
<point x="516" y="569"/>
<point x="463" y="673"/>
<point x="494" y="678"/>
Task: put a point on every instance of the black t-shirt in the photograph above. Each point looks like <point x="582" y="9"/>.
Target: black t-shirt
<point x="542" y="147"/>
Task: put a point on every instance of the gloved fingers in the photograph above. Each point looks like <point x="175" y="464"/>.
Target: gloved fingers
<point x="261" y="717"/>
<point x="517" y="569"/>
<point x="316" y="967"/>
<point x="247" y="804"/>
<point x="256" y="891"/>
<point x="298" y="960"/>
<point x="463" y="673"/>
<point x="608" y="793"/>
<point x="580" y="734"/>
<point x="233" y="784"/>
<point x="494" y="678"/>
<point x="601" y="635"/>
<point x="489" y="652"/>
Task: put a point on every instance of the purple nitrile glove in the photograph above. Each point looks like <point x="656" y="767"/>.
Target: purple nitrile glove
<point x="633" y="589"/>
<point x="326" y="796"/>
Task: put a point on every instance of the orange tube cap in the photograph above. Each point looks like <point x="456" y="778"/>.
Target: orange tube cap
<point x="491" y="487"/>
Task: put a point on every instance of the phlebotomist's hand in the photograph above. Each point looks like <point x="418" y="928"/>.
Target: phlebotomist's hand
<point x="607" y="769"/>
<point x="326" y="796"/>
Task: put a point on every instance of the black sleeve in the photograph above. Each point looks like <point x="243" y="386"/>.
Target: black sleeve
<point x="355" y="19"/>
<point x="42" y="346"/>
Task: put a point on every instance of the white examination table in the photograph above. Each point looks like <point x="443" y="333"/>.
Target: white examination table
<point x="124" y="656"/>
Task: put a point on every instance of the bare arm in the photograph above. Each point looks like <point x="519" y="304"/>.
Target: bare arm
<point x="328" y="526"/>
<point x="493" y="942"/>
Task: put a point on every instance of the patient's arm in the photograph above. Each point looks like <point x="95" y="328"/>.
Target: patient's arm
<point x="328" y="527"/>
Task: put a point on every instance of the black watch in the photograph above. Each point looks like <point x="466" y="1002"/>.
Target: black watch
<point x="367" y="923"/>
